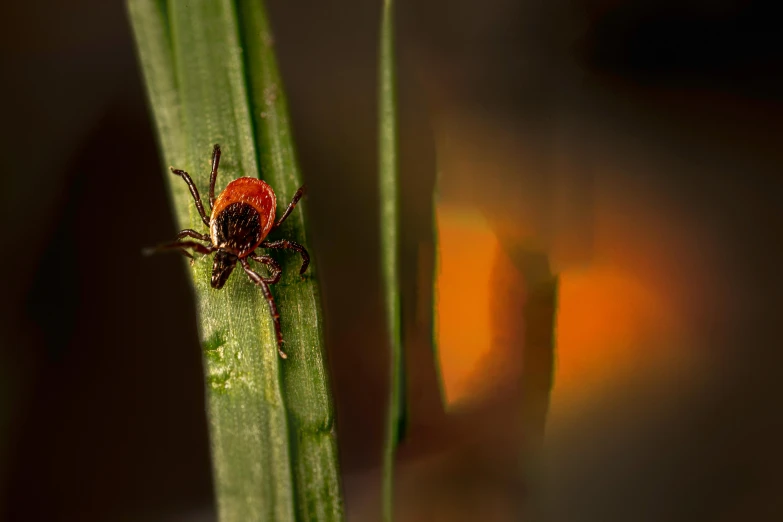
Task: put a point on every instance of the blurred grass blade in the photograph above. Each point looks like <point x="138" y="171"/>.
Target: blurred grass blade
<point x="305" y="379"/>
<point x="191" y="56"/>
<point x="538" y="373"/>
<point x="389" y="221"/>
<point x="435" y="272"/>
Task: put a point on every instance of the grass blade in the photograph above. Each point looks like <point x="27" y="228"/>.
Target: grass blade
<point x="247" y="418"/>
<point x="192" y="59"/>
<point x="305" y="378"/>
<point x="435" y="273"/>
<point x="389" y="220"/>
<point x="153" y="46"/>
<point x="537" y="379"/>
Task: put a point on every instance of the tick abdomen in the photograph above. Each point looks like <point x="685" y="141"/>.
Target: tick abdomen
<point x="242" y="216"/>
<point x="237" y="229"/>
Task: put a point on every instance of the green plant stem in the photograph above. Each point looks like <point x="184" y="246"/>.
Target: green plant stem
<point x="271" y="422"/>
<point x="305" y="380"/>
<point x="153" y="44"/>
<point x="389" y="221"/>
<point x="537" y="380"/>
<point x="247" y="417"/>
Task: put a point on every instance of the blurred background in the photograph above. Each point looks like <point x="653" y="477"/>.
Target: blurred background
<point x="618" y="159"/>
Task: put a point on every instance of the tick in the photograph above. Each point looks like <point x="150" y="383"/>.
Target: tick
<point x="241" y="218"/>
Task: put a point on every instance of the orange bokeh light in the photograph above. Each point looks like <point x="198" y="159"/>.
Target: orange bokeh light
<point x="616" y="322"/>
<point x="463" y="297"/>
<point x="611" y="326"/>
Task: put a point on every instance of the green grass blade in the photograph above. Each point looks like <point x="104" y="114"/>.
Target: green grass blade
<point x="153" y="46"/>
<point x="389" y="220"/>
<point x="249" y="431"/>
<point x="305" y="378"/>
<point x="192" y="61"/>
<point x="434" y="325"/>
<point x="537" y="379"/>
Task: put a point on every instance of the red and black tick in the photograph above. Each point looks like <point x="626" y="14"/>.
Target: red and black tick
<point x="242" y="217"/>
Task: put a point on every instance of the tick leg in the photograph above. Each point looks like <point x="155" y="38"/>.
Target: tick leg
<point x="188" y="255"/>
<point x="290" y="245"/>
<point x="274" y="268"/>
<point x="291" y="206"/>
<point x="193" y="192"/>
<point x="257" y="279"/>
<point x="181" y="245"/>
<point x="213" y="175"/>
<point x="192" y="233"/>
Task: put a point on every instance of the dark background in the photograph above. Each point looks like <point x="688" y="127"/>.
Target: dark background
<point x="101" y="409"/>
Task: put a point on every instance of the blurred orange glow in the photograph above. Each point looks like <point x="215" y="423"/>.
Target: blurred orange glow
<point x="618" y="322"/>
<point x="463" y="297"/>
<point x="611" y="327"/>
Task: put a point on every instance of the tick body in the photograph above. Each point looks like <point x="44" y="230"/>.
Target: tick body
<point x="241" y="218"/>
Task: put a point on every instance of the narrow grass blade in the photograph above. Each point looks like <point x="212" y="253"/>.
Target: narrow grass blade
<point x="537" y="380"/>
<point x="389" y="221"/>
<point x="194" y="45"/>
<point x="434" y="325"/>
<point x="305" y="378"/>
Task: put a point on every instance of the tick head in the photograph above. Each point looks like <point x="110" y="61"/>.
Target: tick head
<point x="221" y="268"/>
